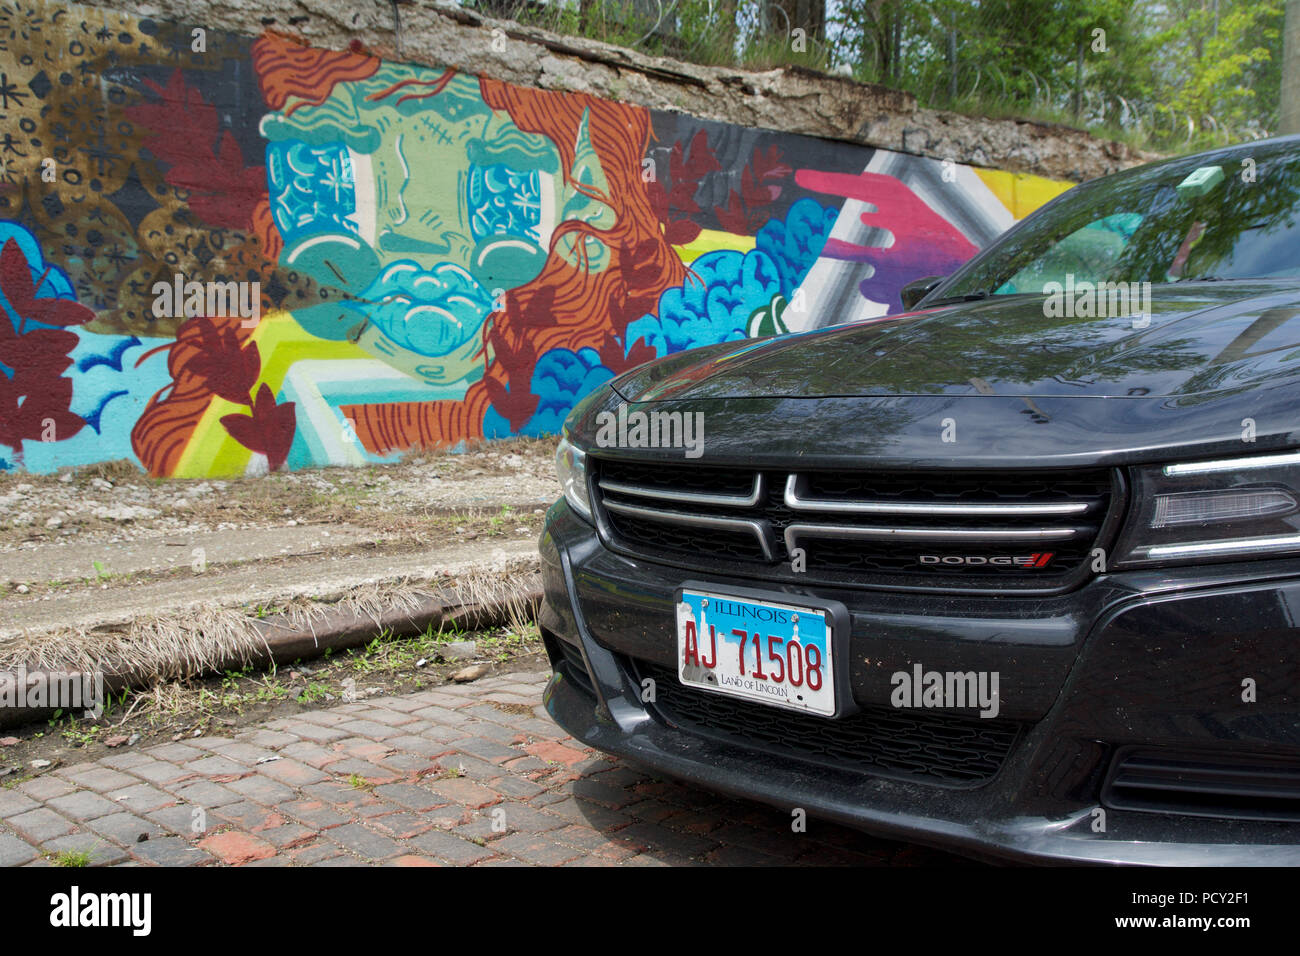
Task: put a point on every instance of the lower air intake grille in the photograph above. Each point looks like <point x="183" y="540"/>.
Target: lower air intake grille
<point x="575" y="668"/>
<point x="951" y="750"/>
<point x="1242" y="788"/>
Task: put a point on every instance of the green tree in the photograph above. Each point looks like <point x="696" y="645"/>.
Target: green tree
<point x="1221" y="60"/>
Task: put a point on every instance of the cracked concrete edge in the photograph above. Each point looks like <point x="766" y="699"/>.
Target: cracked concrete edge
<point x="791" y="100"/>
<point x="255" y="584"/>
<point x="149" y="651"/>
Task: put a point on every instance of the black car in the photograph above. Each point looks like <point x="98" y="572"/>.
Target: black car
<point x="1015" y="573"/>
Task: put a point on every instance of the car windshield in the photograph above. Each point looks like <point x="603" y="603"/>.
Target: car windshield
<point x="1224" y="216"/>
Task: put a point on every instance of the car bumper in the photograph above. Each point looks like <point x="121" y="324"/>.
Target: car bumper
<point x="1139" y="662"/>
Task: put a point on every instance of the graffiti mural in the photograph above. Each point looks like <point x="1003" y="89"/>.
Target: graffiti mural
<point x="224" y="254"/>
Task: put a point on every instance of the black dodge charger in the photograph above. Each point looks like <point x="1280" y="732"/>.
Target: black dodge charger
<point x="1015" y="573"/>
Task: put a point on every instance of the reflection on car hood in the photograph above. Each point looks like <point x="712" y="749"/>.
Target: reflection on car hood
<point x="1200" y="338"/>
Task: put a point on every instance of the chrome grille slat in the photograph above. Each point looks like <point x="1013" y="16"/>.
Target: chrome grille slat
<point x="796" y="502"/>
<point x="759" y="529"/>
<point x="689" y="497"/>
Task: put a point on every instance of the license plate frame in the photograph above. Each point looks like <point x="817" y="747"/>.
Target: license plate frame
<point x="837" y="626"/>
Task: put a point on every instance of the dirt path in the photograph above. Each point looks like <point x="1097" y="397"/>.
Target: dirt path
<point x="110" y="520"/>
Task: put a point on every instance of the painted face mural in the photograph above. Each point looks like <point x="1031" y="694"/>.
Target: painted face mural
<point x="407" y="190"/>
<point x="430" y="257"/>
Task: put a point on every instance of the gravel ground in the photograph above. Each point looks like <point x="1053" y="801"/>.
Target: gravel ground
<point x="114" y="503"/>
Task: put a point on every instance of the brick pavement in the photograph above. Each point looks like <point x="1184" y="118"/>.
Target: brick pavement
<point x="463" y="775"/>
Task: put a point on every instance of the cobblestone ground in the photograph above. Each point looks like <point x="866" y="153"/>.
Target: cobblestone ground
<point x="472" y="774"/>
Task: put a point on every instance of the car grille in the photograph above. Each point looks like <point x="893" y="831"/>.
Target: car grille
<point x="883" y="741"/>
<point x="575" y="668"/>
<point x="1034" y="529"/>
<point x="1241" y="788"/>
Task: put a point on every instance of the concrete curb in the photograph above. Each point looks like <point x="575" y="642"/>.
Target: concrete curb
<point x="291" y="636"/>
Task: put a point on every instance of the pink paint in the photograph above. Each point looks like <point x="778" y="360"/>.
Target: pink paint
<point x="925" y="243"/>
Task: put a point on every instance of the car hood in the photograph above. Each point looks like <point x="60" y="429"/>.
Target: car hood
<point x="1201" y="338"/>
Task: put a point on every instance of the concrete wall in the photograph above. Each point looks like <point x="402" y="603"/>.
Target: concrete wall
<point x="224" y="252"/>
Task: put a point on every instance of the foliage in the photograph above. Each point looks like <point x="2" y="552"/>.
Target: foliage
<point x="1223" y="60"/>
<point x="1167" y="74"/>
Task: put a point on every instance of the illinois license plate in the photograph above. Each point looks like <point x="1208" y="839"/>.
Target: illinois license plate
<point x="757" y="649"/>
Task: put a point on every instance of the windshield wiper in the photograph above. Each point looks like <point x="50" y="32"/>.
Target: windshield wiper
<point x="964" y="297"/>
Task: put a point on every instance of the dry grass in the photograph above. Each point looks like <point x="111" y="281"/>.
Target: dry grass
<point x="509" y="589"/>
<point x="523" y="445"/>
<point x="157" y="649"/>
<point x="160" y="699"/>
<point x="122" y="468"/>
<point x="219" y="702"/>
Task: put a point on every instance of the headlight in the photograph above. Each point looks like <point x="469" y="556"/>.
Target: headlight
<point x="1214" y="510"/>
<point x="571" y="465"/>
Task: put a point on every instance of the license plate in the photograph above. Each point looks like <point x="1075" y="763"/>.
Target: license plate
<point x="757" y="649"/>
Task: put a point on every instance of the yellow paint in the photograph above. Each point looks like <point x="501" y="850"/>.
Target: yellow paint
<point x="211" y="452"/>
<point x="1021" y="193"/>
<point x="711" y="240"/>
<point x="282" y="342"/>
